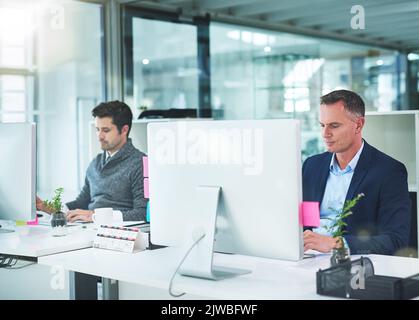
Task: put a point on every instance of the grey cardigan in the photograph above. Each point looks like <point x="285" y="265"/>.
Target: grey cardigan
<point x="117" y="183"/>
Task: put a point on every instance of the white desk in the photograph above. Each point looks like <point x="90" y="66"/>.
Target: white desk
<point x="37" y="241"/>
<point x="33" y="242"/>
<point x="36" y="281"/>
<point x="146" y="274"/>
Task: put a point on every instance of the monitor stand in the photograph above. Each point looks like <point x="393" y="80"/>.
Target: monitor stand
<point x="5" y="231"/>
<point x="199" y="262"/>
<point x="3" y="226"/>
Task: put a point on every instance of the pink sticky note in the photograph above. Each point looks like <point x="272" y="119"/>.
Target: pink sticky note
<point x="33" y="222"/>
<point x="146" y="192"/>
<point x="145" y="167"/>
<point x="310" y="214"/>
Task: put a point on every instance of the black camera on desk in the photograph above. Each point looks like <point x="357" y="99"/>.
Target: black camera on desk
<point x="357" y="280"/>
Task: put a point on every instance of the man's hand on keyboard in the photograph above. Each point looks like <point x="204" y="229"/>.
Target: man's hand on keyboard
<point x="78" y="214"/>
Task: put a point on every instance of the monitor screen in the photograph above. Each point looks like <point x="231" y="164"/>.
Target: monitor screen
<point x="257" y="166"/>
<point x="18" y="171"/>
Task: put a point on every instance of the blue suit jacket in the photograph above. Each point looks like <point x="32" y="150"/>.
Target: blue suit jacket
<point x="380" y="223"/>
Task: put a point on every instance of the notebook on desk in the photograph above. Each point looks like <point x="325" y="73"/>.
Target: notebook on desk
<point x="69" y="224"/>
<point x="141" y="224"/>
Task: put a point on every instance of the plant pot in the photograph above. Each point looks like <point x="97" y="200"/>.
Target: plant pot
<point x="59" y="224"/>
<point x="339" y="256"/>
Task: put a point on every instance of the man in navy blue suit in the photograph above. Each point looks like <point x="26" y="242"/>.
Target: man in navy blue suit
<point x="380" y="223"/>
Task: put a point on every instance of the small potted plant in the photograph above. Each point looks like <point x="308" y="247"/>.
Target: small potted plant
<point x="58" y="219"/>
<point x="341" y="254"/>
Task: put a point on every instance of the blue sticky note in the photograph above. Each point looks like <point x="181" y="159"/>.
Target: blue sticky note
<point x="147" y="217"/>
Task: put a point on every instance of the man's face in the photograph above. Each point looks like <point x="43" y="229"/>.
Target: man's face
<point x="340" y="129"/>
<point x="109" y="137"/>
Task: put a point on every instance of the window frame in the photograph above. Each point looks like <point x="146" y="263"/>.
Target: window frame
<point x="128" y="13"/>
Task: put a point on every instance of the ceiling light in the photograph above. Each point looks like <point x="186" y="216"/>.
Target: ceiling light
<point x="413" y="56"/>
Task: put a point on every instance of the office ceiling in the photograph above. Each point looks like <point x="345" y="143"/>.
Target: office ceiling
<point x="388" y="23"/>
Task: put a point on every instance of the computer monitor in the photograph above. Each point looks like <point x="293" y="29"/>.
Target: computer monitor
<point x="239" y="180"/>
<point x="18" y="171"/>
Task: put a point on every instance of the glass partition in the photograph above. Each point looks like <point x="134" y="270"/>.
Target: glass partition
<point x="51" y="72"/>
<point x="266" y="74"/>
<point x="161" y="64"/>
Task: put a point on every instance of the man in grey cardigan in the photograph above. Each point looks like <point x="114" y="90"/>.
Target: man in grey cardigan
<point x="115" y="177"/>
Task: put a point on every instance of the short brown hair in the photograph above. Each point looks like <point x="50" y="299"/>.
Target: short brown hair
<point x="120" y="113"/>
<point x="352" y="102"/>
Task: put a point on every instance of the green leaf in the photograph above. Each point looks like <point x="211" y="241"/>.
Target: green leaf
<point x="336" y="228"/>
<point x="55" y="203"/>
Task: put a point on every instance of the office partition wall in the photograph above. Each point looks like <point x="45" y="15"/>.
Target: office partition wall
<point x="397" y="134"/>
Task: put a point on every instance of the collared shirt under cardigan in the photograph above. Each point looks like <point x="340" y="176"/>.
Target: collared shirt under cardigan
<point x="117" y="183"/>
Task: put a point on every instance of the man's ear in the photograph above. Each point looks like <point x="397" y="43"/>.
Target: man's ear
<point x="125" y="129"/>
<point x="360" y="122"/>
